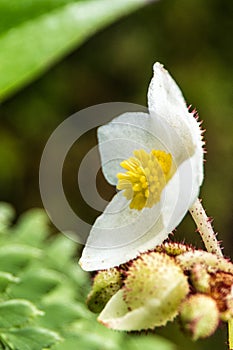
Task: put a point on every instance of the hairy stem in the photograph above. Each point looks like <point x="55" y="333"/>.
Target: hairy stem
<point x="209" y="238"/>
<point x="205" y="228"/>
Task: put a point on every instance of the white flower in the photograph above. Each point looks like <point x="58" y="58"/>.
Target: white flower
<point x="162" y="157"/>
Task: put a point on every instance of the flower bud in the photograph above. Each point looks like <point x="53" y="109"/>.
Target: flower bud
<point x="105" y="284"/>
<point x="199" y="316"/>
<point x="155" y="276"/>
<point x="200" y="278"/>
<point x="153" y="290"/>
<point x="174" y="248"/>
<point x="221" y="290"/>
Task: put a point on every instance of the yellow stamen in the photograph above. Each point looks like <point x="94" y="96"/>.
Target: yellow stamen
<point x="145" y="178"/>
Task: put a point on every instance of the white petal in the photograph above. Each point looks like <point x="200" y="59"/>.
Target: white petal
<point x="180" y="192"/>
<point x="123" y="135"/>
<point x="166" y="102"/>
<point x="121" y="233"/>
<point x="164" y="95"/>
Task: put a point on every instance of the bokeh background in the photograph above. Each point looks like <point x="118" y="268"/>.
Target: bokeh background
<point x="193" y="39"/>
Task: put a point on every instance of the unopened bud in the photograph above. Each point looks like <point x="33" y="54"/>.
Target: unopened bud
<point x="155" y="279"/>
<point x="221" y="285"/>
<point x="174" y="248"/>
<point x="154" y="287"/>
<point x="200" y="278"/>
<point x="199" y="316"/>
<point x="105" y="284"/>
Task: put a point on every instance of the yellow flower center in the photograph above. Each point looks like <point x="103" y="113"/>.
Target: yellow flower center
<point x="145" y="178"/>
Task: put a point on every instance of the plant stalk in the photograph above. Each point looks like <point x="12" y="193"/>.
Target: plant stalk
<point x="211" y="243"/>
<point x="205" y="228"/>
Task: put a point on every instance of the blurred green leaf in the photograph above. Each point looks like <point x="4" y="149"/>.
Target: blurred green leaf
<point x="32" y="228"/>
<point x="14" y="257"/>
<point x="7" y="213"/>
<point x="16" y="313"/>
<point x="62" y="293"/>
<point x="95" y="339"/>
<point x="30" y="338"/>
<point x="149" y="343"/>
<point x="67" y="312"/>
<point x="5" y="279"/>
<point x="36" y="37"/>
<point x="48" y="279"/>
<point x="35" y="283"/>
<point x="71" y="344"/>
<point x="60" y="250"/>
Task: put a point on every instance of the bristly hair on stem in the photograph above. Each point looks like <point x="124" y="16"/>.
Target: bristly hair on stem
<point x="211" y="243"/>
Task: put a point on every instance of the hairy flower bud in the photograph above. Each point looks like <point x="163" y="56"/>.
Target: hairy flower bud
<point x="153" y="290"/>
<point x="200" y="278"/>
<point x="154" y="275"/>
<point x="105" y="284"/>
<point x="221" y="289"/>
<point x="199" y="316"/>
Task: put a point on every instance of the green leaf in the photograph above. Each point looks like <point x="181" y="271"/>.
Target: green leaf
<point x="36" y="37"/>
<point x="99" y="338"/>
<point x="60" y="250"/>
<point x="93" y="340"/>
<point x="65" y="292"/>
<point x="15" y="313"/>
<point x="78" y="276"/>
<point x="5" y="279"/>
<point x="15" y="257"/>
<point x="71" y="344"/>
<point x="32" y="227"/>
<point x="7" y="213"/>
<point x="35" y="283"/>
<point x="149" y="343"/>
<point x="60" y="315"/>
<point x="27" y="9"/>
<point x="30" y="338"/>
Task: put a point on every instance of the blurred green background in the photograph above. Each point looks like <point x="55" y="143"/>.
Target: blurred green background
<point x="193" y="39"/>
